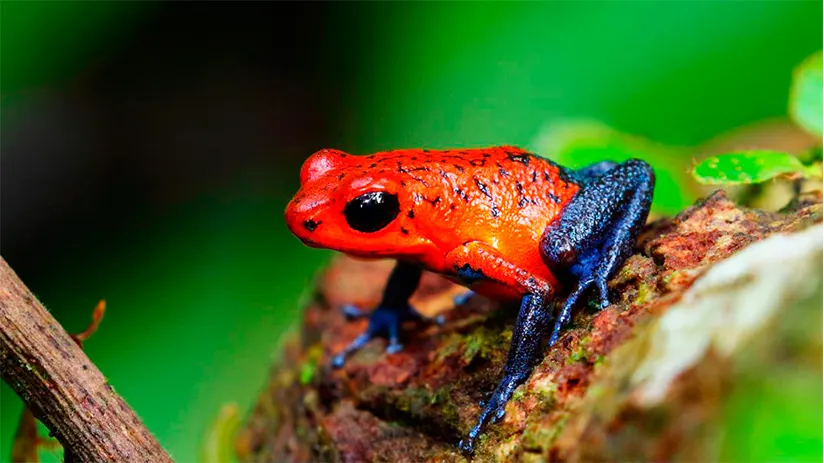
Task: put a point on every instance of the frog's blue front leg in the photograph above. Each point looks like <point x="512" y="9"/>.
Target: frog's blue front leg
<point x="468" y="276"/>
<point x="394" y="309"/>
<point x="597" y="230"/>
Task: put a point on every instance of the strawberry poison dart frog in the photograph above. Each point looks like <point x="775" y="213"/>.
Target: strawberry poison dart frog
<point x="505" y="223"/>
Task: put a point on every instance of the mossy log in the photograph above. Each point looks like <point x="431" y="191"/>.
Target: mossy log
<point x="719" y="303"/>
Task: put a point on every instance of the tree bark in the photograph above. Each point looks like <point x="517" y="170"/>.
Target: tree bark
<point x="62" y="387"/>
<point x="716" y="300"/>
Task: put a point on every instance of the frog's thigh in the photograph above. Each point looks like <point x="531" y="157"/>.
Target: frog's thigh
<point x="476" y="261"/>
<point x="599" y="225"/>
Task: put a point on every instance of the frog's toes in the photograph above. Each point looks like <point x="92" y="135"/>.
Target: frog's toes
<point x="385" y="321"/>
<point x="340" y="359"/>
<point x="351" y="312"/>
<point x="499" y="413"/>
<point x="467" y="446"/>
<point x="463" y="298"/>
<point x="394" y="347"/>
<point x="603" y="293"/>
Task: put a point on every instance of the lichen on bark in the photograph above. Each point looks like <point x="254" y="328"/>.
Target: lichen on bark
<point x="651" y="377"/>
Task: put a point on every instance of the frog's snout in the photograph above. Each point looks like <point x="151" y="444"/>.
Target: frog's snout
<point x="303" y="216"/>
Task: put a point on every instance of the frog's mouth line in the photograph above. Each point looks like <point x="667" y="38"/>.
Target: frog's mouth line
<point x="379" y="254"/>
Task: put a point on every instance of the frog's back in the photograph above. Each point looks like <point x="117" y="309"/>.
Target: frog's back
<point x="502" y="196"/>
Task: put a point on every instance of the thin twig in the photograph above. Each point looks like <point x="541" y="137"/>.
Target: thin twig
<point x="62" y="387"/>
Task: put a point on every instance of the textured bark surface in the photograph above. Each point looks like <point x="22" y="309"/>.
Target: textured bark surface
<point x="611" y="389"/>
<point x="62" y="387"/>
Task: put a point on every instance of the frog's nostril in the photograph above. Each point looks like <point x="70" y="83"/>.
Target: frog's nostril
<point x="311" y="225"/>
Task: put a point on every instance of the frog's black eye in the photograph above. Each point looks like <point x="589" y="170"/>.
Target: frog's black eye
<point x="372" y="211"/>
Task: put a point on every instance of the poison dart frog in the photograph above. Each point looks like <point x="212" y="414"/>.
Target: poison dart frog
<point x="501" y="221"/>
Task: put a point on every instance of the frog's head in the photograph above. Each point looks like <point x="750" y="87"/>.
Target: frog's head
<point x="353" y="205"/>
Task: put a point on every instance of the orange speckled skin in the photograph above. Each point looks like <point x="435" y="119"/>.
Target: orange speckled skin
<point x="485" y="208"/>
<point x="498" y="220"/>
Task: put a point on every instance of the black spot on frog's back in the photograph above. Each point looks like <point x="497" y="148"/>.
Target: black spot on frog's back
<point x="433" y="201"/>
<point x="482" y="187"/>
<point x="522" y="158"/>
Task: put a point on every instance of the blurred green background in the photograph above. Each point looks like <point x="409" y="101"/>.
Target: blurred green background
<point x="149" y="149"/>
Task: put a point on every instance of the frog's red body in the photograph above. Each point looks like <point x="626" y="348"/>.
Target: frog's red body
<point x="502" y="196"/>
<point x="501" y="221"/>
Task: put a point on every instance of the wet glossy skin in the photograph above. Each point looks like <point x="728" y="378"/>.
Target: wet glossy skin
<point x="503" y="222"/>
<point x="502" y="197"/>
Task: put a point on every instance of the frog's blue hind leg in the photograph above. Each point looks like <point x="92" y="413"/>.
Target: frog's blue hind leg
<point x="597" y="229"/>
<point x="524" y="352"/>
<point x="594" y="171"/>
<point x="594" y="235"/>
<point x="394" y="309"/>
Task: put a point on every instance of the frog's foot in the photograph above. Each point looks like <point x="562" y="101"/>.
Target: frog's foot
<point x="482" y="402"/>
<point x="384" y="321"/>
<point x="352" y="312"/>
<point x="463" y="298"/>
<point x="494" y="409"/>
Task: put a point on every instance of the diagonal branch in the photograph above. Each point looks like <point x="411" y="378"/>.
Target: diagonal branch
<point x="62" y="387"/>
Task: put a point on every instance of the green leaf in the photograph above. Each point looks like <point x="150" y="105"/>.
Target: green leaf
<point x="750" y="167"/>
<point x="307" y="372"/>
<point x="811" y="156"/>
<point x="218" y="444"/>
<point x="805" y="95"/>
<point x="577" y="143"/>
